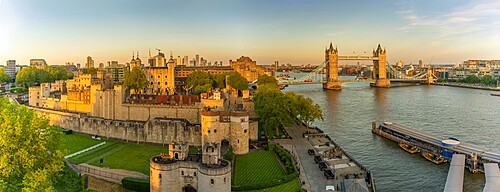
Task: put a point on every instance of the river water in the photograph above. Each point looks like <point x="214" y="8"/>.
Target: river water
<point x="471" y="115"/>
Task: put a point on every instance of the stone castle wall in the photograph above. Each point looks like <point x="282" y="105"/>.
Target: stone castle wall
<point x="155" y="131"/>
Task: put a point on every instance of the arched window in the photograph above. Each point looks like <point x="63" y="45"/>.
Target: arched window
<point x="212" y="181"/>
<point x="159" y="175"/>
<point x="182" y="172"/>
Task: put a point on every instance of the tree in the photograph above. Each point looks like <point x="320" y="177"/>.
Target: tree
<point x="4" y="77"/>
<point x="471" y="79"/>
<point x="264" y="79"/>
<point x="237" y="81"/>
<point x="219" y="80"/>
<point x="29" y="155"/>
<point x="303" y="109"/>
<point x="487" y="80"/>
<point x="202" y="89"/>
<point x="135" y="80"/>
<point x="31" y="76"/>
<point x="273" y="110"/>
<point x="198" y="78"/>
<point x="91" y="70"/>
<point x="58" y="73"/>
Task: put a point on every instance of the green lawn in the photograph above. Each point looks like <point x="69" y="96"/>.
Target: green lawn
<point x="130" y="156"/>
<point x="291" y="186"/>
<point x="75" y="142"/>
<point x="256" y="167"/>
<point x="116" y="154"/>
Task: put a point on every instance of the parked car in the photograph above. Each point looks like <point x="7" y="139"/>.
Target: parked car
<point x="329" y="174"/>
<point x="310" y="152"/>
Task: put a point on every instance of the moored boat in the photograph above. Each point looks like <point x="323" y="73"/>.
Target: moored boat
<point x="409" y="148"/>
<point x="431" y="157"/>
<point x="495" y="94"/>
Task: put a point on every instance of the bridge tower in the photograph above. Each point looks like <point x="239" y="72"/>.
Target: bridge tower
<point x="332" y="69"/>
<point x="380" y="70"/>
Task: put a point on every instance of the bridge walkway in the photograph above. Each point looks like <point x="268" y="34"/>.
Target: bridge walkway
<point x="463" y="148"/>
<point x="455" y="179"/>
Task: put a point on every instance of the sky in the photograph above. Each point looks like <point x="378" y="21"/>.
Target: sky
<point x="296" y="32"/>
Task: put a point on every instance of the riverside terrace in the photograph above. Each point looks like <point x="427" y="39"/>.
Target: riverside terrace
<point x="337" y="165"/>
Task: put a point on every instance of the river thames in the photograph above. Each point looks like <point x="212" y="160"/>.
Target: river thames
<point x="470" y="115"/>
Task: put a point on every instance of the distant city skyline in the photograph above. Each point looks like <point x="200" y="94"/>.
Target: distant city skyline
<point x="296" y="32"/>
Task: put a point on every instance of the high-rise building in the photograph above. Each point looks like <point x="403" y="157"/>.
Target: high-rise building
<point x="38" y="63"/>
<point x="276" y="65"/>
<point x="185" y="61"/>
<point x="421" y="63"/>
<point x="400" y="64"/>
<point x="179" y="61"/>
<point x="197" y="61"/>
<point x="10" y="69"/>
<point x="112" y="63"/>
<point x="90" y="62"/>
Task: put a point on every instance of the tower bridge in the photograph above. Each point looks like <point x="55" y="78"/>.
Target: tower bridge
<point x="382" y="75"/>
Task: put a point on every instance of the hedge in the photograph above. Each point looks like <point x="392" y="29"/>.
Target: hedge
<point x="287" y="159"/>
<point x="135" y="184"/>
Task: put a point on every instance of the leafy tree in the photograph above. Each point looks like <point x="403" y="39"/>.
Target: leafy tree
<point x="471" y="79"/>
<point x="237" y="81"/>
<point x="91" y="70"/>
<point x="273" y="109"/>
<point x="4" y="77"/>
<point x="487" y="80"/>
<point x="58" y="73"/>
<point x="202" y="89"/>
<point x="29" y="155"/>
<point x="268" y="88"/>
<point x="135" y="80"/>
<point x="219" y="80"/>
<point x="303" y="109"/>
<point x="31" y="76"/>
<point x="198" y="78"/>
<point x="264" y="79"/>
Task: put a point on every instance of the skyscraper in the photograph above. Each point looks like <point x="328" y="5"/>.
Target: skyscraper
<point x="90" y="62"/>
<point x="185" y="61"/>
<point x="179" y="61"/>
<point x="276" y="65"/>
<point x="197" y="61"/>
<point x="421" y="63"/>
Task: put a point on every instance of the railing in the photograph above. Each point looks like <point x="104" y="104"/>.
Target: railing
<point x="106" y="174"/>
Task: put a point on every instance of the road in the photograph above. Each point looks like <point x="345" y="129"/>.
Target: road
<point x="309" y="170"/>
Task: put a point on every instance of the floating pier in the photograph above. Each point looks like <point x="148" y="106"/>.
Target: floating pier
<point x="475" y="156"/>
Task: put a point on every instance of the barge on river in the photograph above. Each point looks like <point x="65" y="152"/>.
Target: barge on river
<point x="439" y="147"/>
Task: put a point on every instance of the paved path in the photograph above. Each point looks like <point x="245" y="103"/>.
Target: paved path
<point x="83" y="151"/>
<point x="310" y="172"/>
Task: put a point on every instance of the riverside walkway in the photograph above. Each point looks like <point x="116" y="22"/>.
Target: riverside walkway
<point x="309" y="171"/>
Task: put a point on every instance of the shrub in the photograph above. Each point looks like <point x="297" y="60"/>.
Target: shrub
<point x="135" y="184"/>
<point x="229" y="154"/>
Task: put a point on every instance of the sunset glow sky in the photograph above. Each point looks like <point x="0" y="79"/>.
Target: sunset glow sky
<point x="59" y="31"/>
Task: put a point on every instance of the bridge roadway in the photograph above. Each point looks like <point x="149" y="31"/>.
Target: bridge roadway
<point x="351" y="81"/>
<point x="462" y="148"/>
